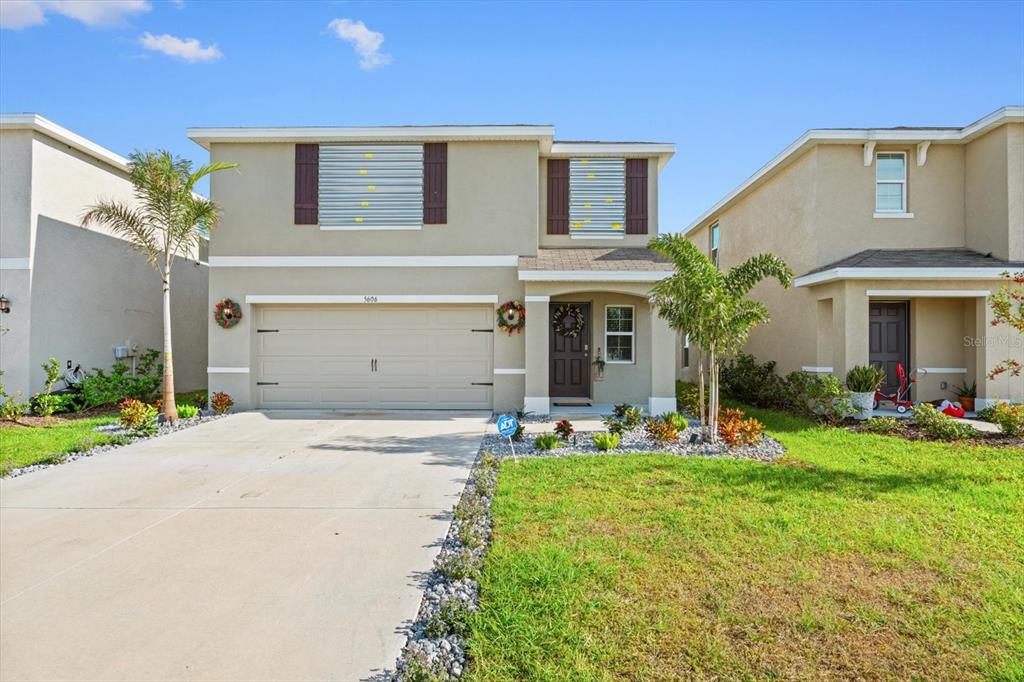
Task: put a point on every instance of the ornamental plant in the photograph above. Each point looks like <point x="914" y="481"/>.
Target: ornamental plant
<point x="712" y="307"/>
<point x="735" y="428"/>
<point x="186" y="411"/>
<point x="10" y="408"/>
<point x="883" y="425"/>
<point x="940" y="425"/>
<point x="45" y="404"/>
<point x="167" y="219"/>
<point x="660" y="431"/>
<point x="1010" y="418"/>
<point x="864" y="378"/>
<point x="221" y="402"/>
<point x="677" y="420"/>
<point x="564" y="429"/>
<point x="606" y="441"/>
<point x="138" y="417"/>
<point x="629" y="415"/>
<point x="1008" y="308"/>
<point x="547" y="441"/>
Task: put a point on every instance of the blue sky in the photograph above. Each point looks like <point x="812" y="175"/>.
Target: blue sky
<point x="730" y="84"/>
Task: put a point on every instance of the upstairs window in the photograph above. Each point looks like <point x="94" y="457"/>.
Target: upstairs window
<point x="619" y="333"/>
<point x="891" y="182"/>
<point x="377" y="186"/>
<point x="597" y="198"/>
<point x="713" y="250"/>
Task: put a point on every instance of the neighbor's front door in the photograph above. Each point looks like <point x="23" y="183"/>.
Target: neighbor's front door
<point x="888" y="339"/>
<point x="569" y="330"/>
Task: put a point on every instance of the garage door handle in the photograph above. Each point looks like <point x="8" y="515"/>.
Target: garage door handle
<point x="481" y="383"/>
<point x="266" y="331"/>
<point x="486" y="331"/>
<point x="373" y="365"/>
<point x="266" y="383"/>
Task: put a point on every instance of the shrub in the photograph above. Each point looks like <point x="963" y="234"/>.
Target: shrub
<point x="735" y="428"/>
<point x="106" y="389"/>
<point x="187" y="411"/>
<point x="1010" y="418"/>
<point x="660" y="431"/>
<point x="677" y="420"/>
<point x="743" y="378"/>
<point x="458" y="565"/>
<point x="864" y="378"/>
<point x="451" y="619"/>
<point x="547" y="441"/>
<point x="985" y="414"/>
<point x="629" y="415"/>
<point x="883" y="425"/>
<point x="10" y="408"/>
<point x="825" y="398"/>
<point x="470" y="535"/>
<point x="138" y="417"/>
<point x="606" y="441"/>
<point x="613" y="425"/>
<point x="564" y="429"/>
<point x="939" y="425"/>
<point x="688" y="398"/>
<point x="489" y="461"/>
<point x="221" y="402"/>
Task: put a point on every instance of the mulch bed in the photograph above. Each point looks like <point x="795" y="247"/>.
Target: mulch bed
<point x="911" y="432"/>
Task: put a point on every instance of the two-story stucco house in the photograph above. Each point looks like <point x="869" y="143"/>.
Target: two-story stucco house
<point x="76" y="294"/>
<point x="898" y="236"/>
<point x="370" y="264"/>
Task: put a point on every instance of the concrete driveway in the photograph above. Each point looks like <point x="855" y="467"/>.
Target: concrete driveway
<point x="263" y="546"/>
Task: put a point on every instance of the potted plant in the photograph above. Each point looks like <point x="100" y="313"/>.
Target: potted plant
<point x="863" y="381"/>
<point x="966" y="394"/>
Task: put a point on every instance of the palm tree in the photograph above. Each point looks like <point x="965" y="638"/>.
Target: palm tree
<point x="711" y="306"/>
<point x="168" y="220"/>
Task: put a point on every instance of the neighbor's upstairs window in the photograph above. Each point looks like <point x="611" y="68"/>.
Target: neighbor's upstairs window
<point x="891" y="182"/>
<point x="714" y="244"/>
<point x="619" y="333"/>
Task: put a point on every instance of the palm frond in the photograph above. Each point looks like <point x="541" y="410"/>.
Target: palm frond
<point x="124" y="222"/>
<point x="742" y="278"/>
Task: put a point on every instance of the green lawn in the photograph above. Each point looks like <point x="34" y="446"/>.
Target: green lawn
<point x="24" y="445"/>
<point x="855" y="557"/>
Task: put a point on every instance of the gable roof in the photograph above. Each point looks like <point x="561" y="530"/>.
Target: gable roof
<point x="816" y="136"/>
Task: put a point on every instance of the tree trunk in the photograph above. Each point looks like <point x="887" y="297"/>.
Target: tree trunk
<point x="170" y="409"/>
<point x="700" y="390"/>
<point x="713" y="398"/>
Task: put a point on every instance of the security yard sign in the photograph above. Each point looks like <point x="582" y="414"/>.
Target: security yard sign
<point x="507" y="426"/>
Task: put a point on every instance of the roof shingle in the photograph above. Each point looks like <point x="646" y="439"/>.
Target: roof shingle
<point x="623" y="259"/>
<point x="919" y="258"/>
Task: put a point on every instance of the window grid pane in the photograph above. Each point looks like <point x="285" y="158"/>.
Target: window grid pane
<point x="620" y="348"/>
<point x="889" y="196"/>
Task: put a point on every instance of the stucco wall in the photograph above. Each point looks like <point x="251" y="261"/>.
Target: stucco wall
<point x="15" y="248"/>
<point x="92" y="292"/>
<point x="564" y="241"/>
<point x="986" y="193"/>
<point x="492" y="206"/>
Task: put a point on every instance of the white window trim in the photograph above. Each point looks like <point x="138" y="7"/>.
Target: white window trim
<point x="631" y="335"/>
<point x="715" y="252"/>
<point x="902" y="212"/>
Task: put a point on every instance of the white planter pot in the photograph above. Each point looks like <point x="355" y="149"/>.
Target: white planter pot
<point x="864" y="402"/>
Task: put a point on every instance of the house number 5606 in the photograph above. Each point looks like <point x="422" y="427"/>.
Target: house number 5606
<point x="369" y="299"/>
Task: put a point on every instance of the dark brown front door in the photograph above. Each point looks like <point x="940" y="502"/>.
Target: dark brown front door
<point x="889" y="343"/>
<point x="570" y="354"/>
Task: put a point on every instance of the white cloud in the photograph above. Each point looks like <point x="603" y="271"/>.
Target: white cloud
<point x="93" y="13"/>
<point x="188" y="49"/>
<point x="20" y="13"/>
<point x="365" y="42"/>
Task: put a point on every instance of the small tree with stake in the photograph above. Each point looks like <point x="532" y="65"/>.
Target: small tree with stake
<point x="711" y="306"/>
<point x="1008" y="308"/>
<point x="169" y="220"/>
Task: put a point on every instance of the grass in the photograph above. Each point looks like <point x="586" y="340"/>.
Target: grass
<point x="857" y="556"/>
<point x="24" y="445"/>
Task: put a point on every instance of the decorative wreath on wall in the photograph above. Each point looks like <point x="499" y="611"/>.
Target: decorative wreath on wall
<point x="227" y="313"/>
<point x="568" y="320"/>
<point x="511" y="317"/>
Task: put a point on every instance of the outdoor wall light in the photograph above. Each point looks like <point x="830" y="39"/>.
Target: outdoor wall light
<point x="5" y="304"/>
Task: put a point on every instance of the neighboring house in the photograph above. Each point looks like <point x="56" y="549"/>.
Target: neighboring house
<point x="370" y="263"/>
<point x="77" y="293"/>
<point x="897" y="235"/>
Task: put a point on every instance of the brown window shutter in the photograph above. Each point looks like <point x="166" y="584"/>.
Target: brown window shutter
<point x="307" y="184"/>
<point x="558" y="196"/>
<point x="636" y="196"/>
<point x="435" y="183"/>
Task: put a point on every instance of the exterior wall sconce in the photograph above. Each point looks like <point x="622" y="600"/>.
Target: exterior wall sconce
<point x="5" y="304"/>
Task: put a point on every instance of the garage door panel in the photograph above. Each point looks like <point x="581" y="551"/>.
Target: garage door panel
<point x="426" y="356"/>
<point x="317" y="342"/>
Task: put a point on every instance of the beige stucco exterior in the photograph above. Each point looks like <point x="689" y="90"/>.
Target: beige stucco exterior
<point x="816" y="207"/>
<point x="76" y="293"/>
<point x="496" y="214"/>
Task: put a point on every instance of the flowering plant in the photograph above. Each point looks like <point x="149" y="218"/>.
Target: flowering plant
<point x="564" y="429"/>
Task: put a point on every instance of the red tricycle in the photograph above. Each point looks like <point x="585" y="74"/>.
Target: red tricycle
<point x="901" y="398"/>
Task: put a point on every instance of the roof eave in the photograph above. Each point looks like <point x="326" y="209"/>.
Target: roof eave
<point x="45" y="126"/>
<point x="944" y="274"/>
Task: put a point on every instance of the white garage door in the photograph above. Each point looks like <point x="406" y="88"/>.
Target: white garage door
<point x="370" y="356"/>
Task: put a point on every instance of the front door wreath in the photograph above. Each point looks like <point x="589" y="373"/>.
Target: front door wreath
<point x="511" y="317"/>
<point x="227" y="313"/>
<point x="568" y="320"/>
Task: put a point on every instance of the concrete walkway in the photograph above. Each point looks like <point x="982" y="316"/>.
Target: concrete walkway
<point x="264" y="546"/>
